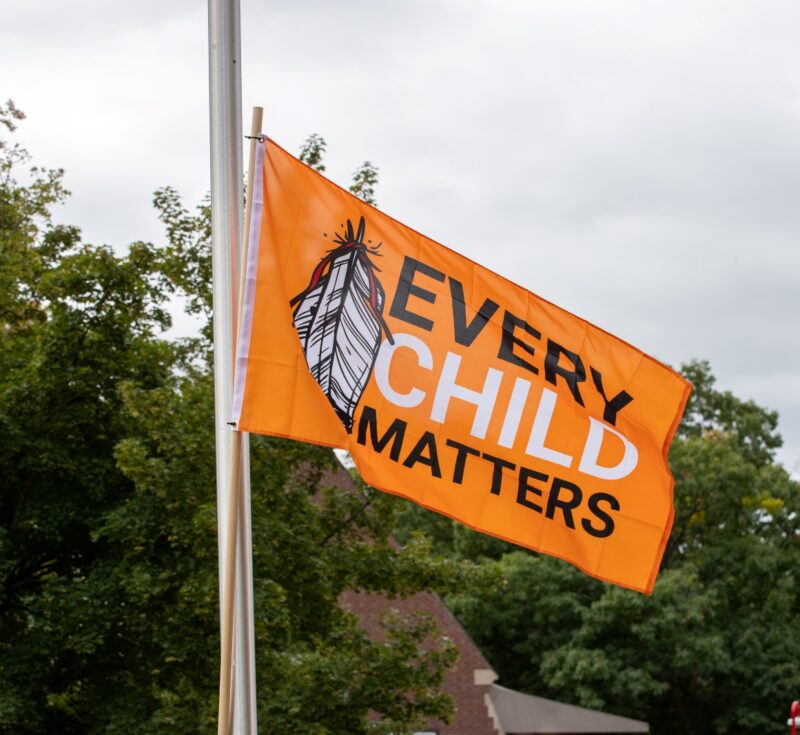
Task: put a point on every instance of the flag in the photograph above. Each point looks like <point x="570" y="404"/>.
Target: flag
<point x="450" y="385"/>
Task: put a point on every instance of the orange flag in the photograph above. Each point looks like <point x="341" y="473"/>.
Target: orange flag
<point x="450" y="385"/>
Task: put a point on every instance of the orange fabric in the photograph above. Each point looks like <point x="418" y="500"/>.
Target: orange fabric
<point x="535" y="455"/>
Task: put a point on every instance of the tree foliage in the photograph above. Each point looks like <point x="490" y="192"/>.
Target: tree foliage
<point x="312" y="152"/>
<point x="77" y="324"/>
<point x="365" y="180"/>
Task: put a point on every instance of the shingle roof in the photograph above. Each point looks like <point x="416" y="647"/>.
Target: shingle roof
<point x="524" y="714"/>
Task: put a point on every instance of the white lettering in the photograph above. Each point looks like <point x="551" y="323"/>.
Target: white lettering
<point x="483" y="399"/>
<point x="541" y="424"/>
<point x="514" y="413"/>
<point x="383" y="363"/>
<point x="591" y="452"/>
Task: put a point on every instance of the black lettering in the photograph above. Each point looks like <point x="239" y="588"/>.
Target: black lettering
<point x="461" y="458"/>
<point x="616" y="404"/>
<point x="508" y="340"/>
<point x="552" y="368"/>
<point x="554" y="500"/>
<point x="524" y="487"/>
<point x="394" y="433"/>
<point x="465" y="334"/>
<point x="608" y="522"/>
<point x="431" y="459"/>
<point x="497" y="471"/>
<point x="406" y="288"/>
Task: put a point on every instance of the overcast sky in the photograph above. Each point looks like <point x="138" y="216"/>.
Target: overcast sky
<point x="636" y="162"/>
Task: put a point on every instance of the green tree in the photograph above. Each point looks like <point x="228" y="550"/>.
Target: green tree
<point x="365" y="180"/>
<point x="77" y="323"/>
<point x="109" y="603"/>
<point x="312" y="152"/>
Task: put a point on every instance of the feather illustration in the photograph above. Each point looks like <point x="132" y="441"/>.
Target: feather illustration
<point x="339" y="319"/>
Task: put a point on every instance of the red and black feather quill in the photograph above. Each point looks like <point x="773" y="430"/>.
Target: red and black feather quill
<point x="339" y="319"/>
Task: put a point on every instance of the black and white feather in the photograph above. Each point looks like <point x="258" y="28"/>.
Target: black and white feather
<point x="339" y="319"/>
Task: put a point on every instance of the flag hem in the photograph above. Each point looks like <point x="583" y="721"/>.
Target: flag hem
<point x="251" y="272"/>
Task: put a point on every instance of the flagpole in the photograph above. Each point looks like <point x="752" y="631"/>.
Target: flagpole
<point x="225" y="94"/>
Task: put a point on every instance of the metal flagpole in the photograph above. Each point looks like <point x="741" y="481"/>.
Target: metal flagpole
<point x="225" y="98"/>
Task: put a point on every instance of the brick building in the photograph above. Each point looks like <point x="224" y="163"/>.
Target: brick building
<point x="481" y="706"/>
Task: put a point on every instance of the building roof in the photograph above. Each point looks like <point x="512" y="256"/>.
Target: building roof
<point x="524" y="714"/>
